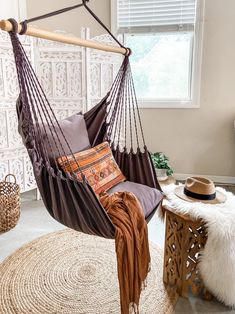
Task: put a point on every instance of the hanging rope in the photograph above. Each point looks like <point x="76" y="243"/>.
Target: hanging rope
<point x="67" y="9"/>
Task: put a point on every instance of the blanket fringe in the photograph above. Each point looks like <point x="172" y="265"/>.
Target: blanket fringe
<point x="133" y="308"/>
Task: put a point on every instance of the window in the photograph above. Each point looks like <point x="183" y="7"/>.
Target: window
<point x="165" y="37"/>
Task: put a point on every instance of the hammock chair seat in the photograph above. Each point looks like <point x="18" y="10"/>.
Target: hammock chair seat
<point x="148" y="197"/>
<point x="75" y="130"/>
<point x="70" y="201"/>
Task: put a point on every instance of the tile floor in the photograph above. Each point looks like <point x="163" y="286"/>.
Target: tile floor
<point x="35" y="221"/>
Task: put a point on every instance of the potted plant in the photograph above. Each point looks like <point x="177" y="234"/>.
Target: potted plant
<point x="160" y="162"/>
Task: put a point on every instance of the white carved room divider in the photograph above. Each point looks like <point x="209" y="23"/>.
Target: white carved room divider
<point x="73" y="78"/>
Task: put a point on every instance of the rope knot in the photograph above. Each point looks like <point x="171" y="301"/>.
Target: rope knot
<point x="128" y="52"/>
<point x="14" y="25"/>
<point x="23" y="27"/>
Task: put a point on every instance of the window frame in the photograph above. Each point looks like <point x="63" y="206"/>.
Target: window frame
<point x="196" y="63"/>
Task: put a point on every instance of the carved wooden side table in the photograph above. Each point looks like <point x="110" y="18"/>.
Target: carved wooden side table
<point x="184" y="238"/>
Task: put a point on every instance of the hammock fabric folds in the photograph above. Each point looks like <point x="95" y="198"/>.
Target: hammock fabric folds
<point x="115" y="119"/>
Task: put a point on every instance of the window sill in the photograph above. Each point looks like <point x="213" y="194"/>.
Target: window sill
<point x="156" y="104"/>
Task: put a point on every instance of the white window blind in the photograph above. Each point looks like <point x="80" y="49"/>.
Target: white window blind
<point x="138" y="16"/>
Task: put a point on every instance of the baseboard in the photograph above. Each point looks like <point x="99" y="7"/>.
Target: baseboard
<point x="217" y="179"/>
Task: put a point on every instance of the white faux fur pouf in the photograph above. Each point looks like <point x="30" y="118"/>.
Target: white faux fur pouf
<point x="217" y="264"/>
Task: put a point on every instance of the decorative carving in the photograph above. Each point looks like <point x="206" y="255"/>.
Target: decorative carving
<point x="16" y="167"/>
<point x="107" y="72"/>
<point x="103" y="69"/>
<point x="72" y="112"/>
<point x="74" y="55"/>
<point x="74" y="79"/>
<point x="45" y="77"/>
<point x="4" y="37"/>
<point x="184" y="239"/>
<point x="17" y="161"/>
<point x="61" y="114"/>
<point x="3" y="128"/>
<point x="29" y="176"/>
<point x="14" y="140"/>
<point x="4" y="167"/>
<point x="6" y="154"/>
<point x="1" y="80"/>
<point x="60" y="79"/>
<point x="10" y="79"/>
<point x="75" y="104"/>
<point x="7" y="103"/>
<point x="95" y="80"/>
<point x="106" y="39"/>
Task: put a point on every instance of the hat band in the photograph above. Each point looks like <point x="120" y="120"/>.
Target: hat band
<point x="198" y="196"/>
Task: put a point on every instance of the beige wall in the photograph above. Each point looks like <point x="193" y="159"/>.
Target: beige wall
<point x="202" y="141"/>
<point x="198" y="141"/>
<point x="70" y="21"/>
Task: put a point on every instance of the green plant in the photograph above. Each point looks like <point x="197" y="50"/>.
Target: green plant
<point x="160" y="161"/>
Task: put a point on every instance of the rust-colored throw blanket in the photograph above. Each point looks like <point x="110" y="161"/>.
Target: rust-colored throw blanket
<point x="132" y="247"/>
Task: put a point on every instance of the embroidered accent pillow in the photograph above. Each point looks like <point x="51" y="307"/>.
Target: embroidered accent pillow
<point x="97" y="164"/>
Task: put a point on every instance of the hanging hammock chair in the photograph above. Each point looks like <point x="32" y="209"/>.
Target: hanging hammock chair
<point x="70" y="201"/>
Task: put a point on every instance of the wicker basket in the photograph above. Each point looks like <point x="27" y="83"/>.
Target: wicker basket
<point x="9" y="204"/>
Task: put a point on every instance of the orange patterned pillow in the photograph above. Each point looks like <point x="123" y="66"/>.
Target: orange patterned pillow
<point x="97" y="164"/>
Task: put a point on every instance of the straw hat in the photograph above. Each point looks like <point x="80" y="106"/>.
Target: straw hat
<point x="199" y="189"/>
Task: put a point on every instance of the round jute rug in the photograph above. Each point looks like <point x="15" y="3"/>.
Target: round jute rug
<point x="69" y="272"/>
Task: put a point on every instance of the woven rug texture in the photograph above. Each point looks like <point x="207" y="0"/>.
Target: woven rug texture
<point x="69" y="272"/>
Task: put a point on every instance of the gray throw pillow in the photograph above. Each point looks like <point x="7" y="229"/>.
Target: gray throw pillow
<point x="149" y="198"/>
<point x="75" y="132"/>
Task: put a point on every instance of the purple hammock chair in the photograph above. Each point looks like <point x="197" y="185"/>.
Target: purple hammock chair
<point x="68" y="200"/>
